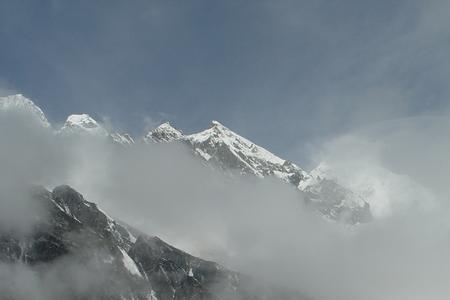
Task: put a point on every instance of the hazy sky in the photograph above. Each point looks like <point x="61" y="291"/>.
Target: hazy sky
<point x="286" y="74"/>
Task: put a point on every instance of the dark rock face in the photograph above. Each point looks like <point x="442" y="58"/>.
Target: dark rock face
<point x="88" y="214"/>
<point x="61" y="243"/>
<point x="178" y="275"/>
<point x="76" y="235"/>
<point x="174" y="274"/>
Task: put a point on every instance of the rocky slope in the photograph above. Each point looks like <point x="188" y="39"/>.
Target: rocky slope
<point x="74" y="234"/>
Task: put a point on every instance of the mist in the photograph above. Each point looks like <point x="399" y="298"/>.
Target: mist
<point x="359" y="88"/>
<point x="63" y="279"/>
<point x="260" y="226"/>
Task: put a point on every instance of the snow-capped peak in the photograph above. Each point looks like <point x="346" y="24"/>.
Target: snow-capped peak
<point x="216" y="123"/>
<point x="221" y="134"/>
<point x="22" y="104"/>
<point x="163" y="133"/>
<point x="230" y="150"/>
<point x="82" y="124"/>
<point x="83" y="120"/>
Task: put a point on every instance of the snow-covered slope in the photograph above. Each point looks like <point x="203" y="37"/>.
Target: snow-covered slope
<point x="84" y="124"/>
<point x="22" y="104"/>
<point x="225" y="148"/>
<point x="163" y="133"/>
<point x="78" y="124"/>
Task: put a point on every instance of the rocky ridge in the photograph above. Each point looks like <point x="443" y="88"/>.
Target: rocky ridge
<point x="75" y="234"/>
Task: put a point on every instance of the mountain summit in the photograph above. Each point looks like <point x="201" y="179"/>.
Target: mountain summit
<point x="163" y="133"/>
<point x="82" y="124"/>
<point x="20" y="103"/>
<point x="227" y="149"/>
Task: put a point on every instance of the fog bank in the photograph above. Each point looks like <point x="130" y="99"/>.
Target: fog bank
<point x="261" y="227"/>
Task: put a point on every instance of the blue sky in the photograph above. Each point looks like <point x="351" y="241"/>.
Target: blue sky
<point x="286" y="74"/>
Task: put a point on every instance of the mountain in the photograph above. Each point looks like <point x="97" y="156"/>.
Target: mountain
<point x="221" y="148"/>
<point x="78" y="252"/>
<point x="82" y="124"/>
<point x="22" y="104"/>
<point x="163" y="133"/>
<point x="74" y="239"/>
<point x="226" y="150"/>
<point x="85" y="125"/>
<point x="76" y="124"/>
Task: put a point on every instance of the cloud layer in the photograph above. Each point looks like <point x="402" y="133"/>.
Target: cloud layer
<point x="261" y="227"/>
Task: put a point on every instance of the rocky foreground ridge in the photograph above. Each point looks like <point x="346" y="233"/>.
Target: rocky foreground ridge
<point x="73" y="238"/>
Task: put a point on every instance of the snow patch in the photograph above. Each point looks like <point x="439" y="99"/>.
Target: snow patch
<point x="129" y="263"/>
<point x="203" y="154"/>
<point x="152" y="295"/>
